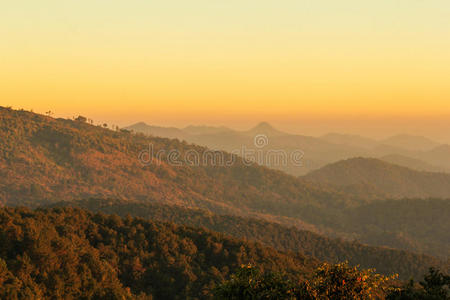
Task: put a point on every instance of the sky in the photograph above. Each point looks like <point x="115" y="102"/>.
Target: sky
<point x="368" y="67"/>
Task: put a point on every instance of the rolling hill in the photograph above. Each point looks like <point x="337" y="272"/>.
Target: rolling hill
<point x="439" y="156"/>
<point x="378" y="179"/>
<point x="416" y="152"/>
<point x="45" y="160"/>
<point x="385" y="260"/>
<point x="419" y="225"/>
<point x="74" y="254"/>
<point x="413" y="163"/>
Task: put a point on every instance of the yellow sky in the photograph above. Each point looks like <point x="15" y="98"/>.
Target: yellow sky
<point x="173" y="62"/>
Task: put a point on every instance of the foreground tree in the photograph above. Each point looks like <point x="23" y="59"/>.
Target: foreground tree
<point x="435" y="286"/>
<point x="339" y="281"/>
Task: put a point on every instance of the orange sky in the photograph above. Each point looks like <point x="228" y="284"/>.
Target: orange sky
<point x="309" y="66"/>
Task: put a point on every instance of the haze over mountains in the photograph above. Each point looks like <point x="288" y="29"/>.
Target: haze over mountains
<point x="329" y="181"/>
<point x="415" y="152"/>
<point x="45" y="160"/>
<point x="375" y="178"/>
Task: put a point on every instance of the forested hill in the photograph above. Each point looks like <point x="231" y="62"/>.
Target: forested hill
<point x="419" y="225"/>
<point x="384" y="260"/>
<point x="43" y="159"/>
<point x="67" y="253"/>
<point x="369" y="177"/>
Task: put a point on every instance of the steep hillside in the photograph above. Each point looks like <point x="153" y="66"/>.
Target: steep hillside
<point x="384" y="260"/>
<point x="375" y="178"/>
<point x="73" y="254"/>
<point x="44" y="159"/>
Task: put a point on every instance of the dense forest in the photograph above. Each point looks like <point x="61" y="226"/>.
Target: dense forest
<point x="336" y="282"/>
<point x="420" y="225"/>
<point x="71" y="253"/>
<point x="71" y="159"/>
<point x="44" y="160"/>
<point x="384" y="260"/>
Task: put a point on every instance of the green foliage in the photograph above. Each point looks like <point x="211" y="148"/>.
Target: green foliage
<point x="333" y="282"/>
<point x="341" y="281"/>
<point x="70" y="253"/>
<point x="385" y="261"/>
<point x="249" y="283"/>
<point x="374" y="179"/>
<point x="68" y="160"/>
<point x="45" y="160"/>
<point x="435" y="286"/>
<point x="419" y="225"/>
<point x="73" y="160"/>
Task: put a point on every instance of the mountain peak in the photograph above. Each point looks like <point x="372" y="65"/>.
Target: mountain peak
<point x="265" y="128"/>
<point x="264" y="125"/>
<point x="140" y="124"/>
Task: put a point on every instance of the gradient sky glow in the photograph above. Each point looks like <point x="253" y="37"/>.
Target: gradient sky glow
<point x="231" y="62"/>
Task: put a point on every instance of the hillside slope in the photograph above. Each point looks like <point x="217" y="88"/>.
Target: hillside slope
<point x="72" y="254"/>
<point x="384" y="260"/>
<point x="413" y="163"/>
<point x="419" y="225"/>
<point x="44" y="159"/>
<point x="376" y="178"/>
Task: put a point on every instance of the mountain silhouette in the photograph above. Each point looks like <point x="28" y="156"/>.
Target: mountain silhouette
<point x="266" y="129"/>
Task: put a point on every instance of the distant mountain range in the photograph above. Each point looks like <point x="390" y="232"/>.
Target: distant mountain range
<point x="168" y="132"/>
<point x="411" y="151"/>
<point x="45" y="160"/>
<point x="350" y="140"/>
<point x="400" y="141"/>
